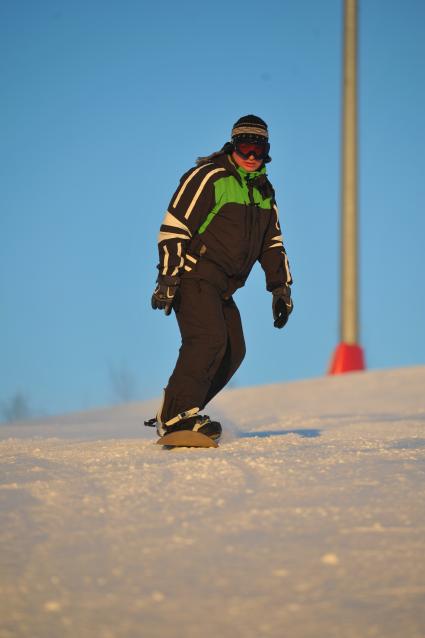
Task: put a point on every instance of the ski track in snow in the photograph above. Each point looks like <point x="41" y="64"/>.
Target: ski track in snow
<point x="308" y="521"/>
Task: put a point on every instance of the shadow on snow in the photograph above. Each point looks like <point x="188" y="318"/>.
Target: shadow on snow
<point x="308" y="434"/>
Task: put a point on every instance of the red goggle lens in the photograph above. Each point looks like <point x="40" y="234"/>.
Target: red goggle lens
<point x="246" y="149"/>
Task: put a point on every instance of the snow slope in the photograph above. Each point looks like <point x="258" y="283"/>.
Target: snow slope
<point x="308" y="521"/>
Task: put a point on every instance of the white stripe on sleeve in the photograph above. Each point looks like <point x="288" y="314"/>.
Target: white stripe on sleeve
<point x="288" y="275"/>
<point x="166" y="256"/>
<point x="183" y="188"/>
<point x="277" y="217"/>
<point x="200" y="189"/>
<point x="171" y="220"/>
<point x="181" y="262"/>
<point x="166" y="235"/>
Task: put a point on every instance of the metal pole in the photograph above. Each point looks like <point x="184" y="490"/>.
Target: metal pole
<point x="348" y="356"/>
<point x="349" y="268"/>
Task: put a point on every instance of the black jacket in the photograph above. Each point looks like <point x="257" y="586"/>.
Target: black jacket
<point x="220" y="221"/>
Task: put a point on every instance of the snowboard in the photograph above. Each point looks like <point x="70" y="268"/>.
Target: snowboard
<point x="186" y="438"/>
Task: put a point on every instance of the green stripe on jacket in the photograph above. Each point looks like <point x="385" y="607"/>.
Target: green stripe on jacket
<point x="229" y="191"/>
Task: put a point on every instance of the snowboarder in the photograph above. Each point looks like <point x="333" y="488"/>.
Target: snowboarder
<point x="222" y="218"/>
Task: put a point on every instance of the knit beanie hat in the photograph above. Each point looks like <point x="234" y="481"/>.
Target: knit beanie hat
<point x="250" y="127"/>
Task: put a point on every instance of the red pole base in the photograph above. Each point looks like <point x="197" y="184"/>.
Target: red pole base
<point x="348" y="357"/>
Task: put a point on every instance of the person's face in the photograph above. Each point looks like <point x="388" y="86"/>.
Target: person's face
<point x="251" y="164"/>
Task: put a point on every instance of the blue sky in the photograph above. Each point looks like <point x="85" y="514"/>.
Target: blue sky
<point x="105" y="105"/>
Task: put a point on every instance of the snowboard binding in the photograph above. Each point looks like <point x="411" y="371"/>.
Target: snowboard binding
<point x="188" y="429"/>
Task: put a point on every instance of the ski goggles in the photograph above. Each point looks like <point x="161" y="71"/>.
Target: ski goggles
<point x="247" y="149"/>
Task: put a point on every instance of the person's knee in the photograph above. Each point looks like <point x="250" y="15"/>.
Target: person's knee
<point x="210" y="343"/>
<point x="216" y="343"/>
<point x="239" y="352"/>
<point x="242" y="352"/>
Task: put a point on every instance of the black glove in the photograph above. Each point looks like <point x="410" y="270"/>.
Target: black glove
<point x="282" y="305"/>
<point x="165" y="292"/>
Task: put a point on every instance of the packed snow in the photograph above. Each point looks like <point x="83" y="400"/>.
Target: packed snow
<point x="307" y="522"/>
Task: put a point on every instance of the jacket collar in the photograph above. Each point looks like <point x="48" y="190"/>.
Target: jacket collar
<point x="225" y="161"/>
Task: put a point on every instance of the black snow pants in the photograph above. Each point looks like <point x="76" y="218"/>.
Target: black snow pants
<point x="212" y="348"/>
